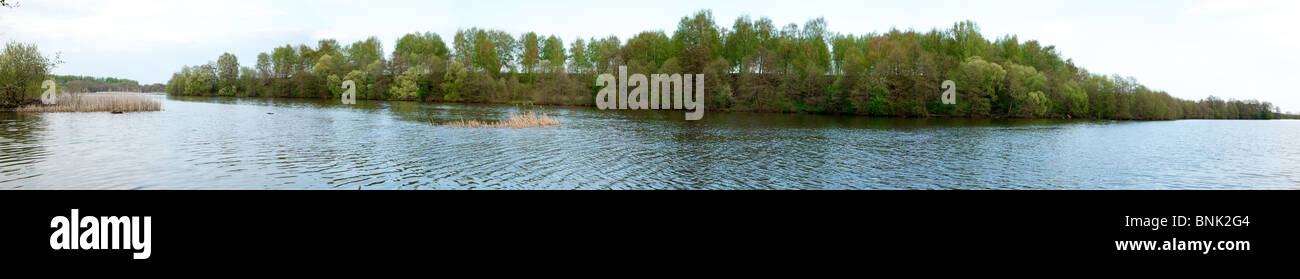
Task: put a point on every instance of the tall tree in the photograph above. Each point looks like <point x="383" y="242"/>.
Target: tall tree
<point x="697" y="40"/>
<point x="228" y="70"/>
<point x="532" y="52"/>
<point x="283" y="61"/>
<point x="578" y="54"/>
<point x="363" y="53"/>
<point x="553" y="53"/>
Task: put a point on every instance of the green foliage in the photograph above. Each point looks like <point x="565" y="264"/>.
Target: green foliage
<point x="202" y="80"/>
<point x="755" y="65"/>
<point x="68" y="83"/>
<point x="532" y="53"/>
<point x="553" y="53"/>
<point x="977" y="84"/>
<point x="578" y="55"/>
<point x="1076" y="100"/>
<point x="284" y="61"/>
<point x="22" y="70"/>
<point x="419" y="48"/>
<point x="454" y="82"/>
<point x="228" y="70"/>
<point x="406" y="86"/>
<point x="1025" y="86"/>
<point x="363" y="53"/>
<point x="362" y="83"/>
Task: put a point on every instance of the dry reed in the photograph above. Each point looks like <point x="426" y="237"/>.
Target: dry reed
<point x="516" y="121"/>
<point x="100" y="102"/>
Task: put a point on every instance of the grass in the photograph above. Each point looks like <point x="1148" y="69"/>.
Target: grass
<point x="101" y="102"/>
<point x="516" y="121"/>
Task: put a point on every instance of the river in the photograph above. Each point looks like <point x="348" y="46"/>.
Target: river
<point x="251" y="143"/>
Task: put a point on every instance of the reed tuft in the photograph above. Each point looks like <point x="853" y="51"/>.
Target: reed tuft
<point x="103" y="102"/>
<point x="516" y="121"/>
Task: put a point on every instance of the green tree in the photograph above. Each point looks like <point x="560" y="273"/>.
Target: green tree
<point x="553" y="53"/>
<point x="578" y="54"/>
<point x="1076" y="100"/>
<point x="363" y="53"/>
<point x="419" y="50"/>
<point x="532" y="52"/>
<point x="202" y="80"/>
<point x="1025" y="87"/>
<point x="647" y="51"/>
<point x="362" y="82"/>
<point x="406" y="86"/>
<point x="977" y="85"/>
<point x="228" y="71"/>
<point x="455" y="81"/>
<point x="741" y="42"/>
<point x="485" y="55"/>
<point x="22" y="68"/>
<point x="697" y="41"/>
<point x="284" y="61"/>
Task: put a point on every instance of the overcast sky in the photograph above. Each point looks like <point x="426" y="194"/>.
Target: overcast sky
<point x="1239" y="49"/>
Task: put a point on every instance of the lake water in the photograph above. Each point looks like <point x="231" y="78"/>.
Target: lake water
<point x="228" y="143"/>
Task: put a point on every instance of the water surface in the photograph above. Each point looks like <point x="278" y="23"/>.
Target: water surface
<point x="228" y="143"/>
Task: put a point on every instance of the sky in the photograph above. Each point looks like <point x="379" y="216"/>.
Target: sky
<point x="1234" y="49"/>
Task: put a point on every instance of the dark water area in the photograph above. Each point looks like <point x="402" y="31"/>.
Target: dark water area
<point x="249" y="143"/>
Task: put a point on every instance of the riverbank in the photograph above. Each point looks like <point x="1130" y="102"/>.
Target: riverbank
<point x="766" y="111"/>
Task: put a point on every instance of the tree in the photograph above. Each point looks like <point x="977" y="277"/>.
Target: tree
<point x="228" y="70"/>
<point x="697" y="41"/>
<point x="1076" y="100"/>
<point x="406" y="87"/>
<point x="553" y="53"/>
<point x="202" y="80"/>
<point x="1025" y="87"/>
<point x="363" y="84"/>
<point x="22" y="68"/>
<point x="647" y="51"/>
<point x="247" y="80"/>
<point x="485" y="55"/>
<point x="532" y="53"/>
<point x="363" y="53"/>
<point x="419" y="50"/>
<point x="977" y="85"/>
<point x="455" y="81"/>
<point x="578" y="53"/>
<point x="966" y="40"/>
<point x="742" y="41"/>
<point x="283" y="61"/>
<point x="264" y="67"/>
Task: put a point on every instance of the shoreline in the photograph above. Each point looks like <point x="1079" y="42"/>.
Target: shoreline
<point x="935" y="116"/>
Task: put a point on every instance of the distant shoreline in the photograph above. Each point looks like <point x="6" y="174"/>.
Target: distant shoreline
<point x="932" y="116"/>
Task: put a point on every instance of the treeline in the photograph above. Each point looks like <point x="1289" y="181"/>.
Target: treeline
<point x="754" y="65"/>
<point x="77" y="84"/>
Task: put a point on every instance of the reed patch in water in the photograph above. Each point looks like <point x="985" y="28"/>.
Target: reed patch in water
<point x="119" y="102"/>
<point x="516" y="121"/>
